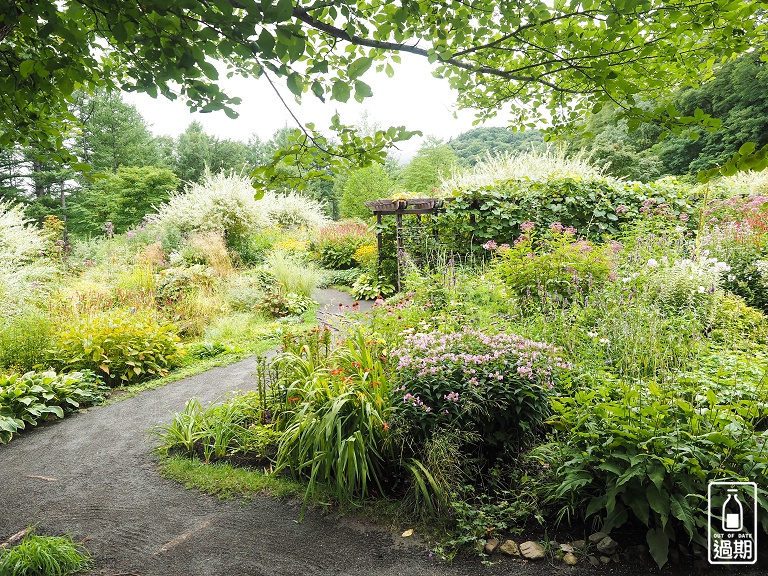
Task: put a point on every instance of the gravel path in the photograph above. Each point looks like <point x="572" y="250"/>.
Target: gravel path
<point x="93" y="475"/>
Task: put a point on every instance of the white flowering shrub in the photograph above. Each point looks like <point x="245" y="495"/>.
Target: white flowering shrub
<point x="23" y="274"/>
<point x="225" y="203"/>
<point x="293" y="211"/>
<point x="221" y="203"/>
<point x="686" y="285"/>
<point x="19" y="241"/>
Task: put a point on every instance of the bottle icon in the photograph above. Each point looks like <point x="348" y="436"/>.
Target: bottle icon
<point x="733" y="512"/>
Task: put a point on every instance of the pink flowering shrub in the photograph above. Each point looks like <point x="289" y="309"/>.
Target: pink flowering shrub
<point x="555" y="265"/>
<point x="496" y="385"/>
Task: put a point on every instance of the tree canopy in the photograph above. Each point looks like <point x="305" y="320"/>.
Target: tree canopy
<point x="552" y="61"/>
<point x="737" y="95"/>
<point x="475" y="145"/>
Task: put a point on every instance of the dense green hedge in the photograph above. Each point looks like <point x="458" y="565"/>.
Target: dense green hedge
<point x="594" y="207"/>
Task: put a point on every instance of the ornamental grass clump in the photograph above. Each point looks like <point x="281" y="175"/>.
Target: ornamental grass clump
<point x="39" y="555"/>
<point x="495" y="385"/>
<point x="335" y="418"/>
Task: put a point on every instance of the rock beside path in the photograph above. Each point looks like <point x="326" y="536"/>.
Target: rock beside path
<point x="532" y="550"/>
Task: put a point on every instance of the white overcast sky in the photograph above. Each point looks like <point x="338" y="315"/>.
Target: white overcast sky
<point x="412" y="98"/>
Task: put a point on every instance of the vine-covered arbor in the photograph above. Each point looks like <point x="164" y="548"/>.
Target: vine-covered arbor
<point x="418" y="207"/>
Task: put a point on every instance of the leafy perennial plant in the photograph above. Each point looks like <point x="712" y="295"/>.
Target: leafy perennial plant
<point x="496" y="385"/>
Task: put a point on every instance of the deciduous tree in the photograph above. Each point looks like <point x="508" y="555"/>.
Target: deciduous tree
<point x="559" y="59"/>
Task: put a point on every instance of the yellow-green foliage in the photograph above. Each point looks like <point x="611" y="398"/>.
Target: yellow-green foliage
<point x="24" y="339"/>
<point x="120" y="346"/>
<point x="734" y="321"/>
<point x="195" y="310"/>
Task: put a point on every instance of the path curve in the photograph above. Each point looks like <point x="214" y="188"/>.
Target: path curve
<point x="92" y="475"/>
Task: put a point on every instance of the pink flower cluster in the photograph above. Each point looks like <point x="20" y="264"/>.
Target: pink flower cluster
<point x="491" y="245"/>
<point x="474" y="352"/>
<point x="558" y="228"/>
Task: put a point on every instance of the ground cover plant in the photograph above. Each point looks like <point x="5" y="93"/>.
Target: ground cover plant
<point x="28" y="399"/>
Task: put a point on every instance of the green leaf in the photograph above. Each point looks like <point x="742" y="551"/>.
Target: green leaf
<point x="26" y="68"/>
<point x="657" y="472"/>
<point x="682" y="511"/>
<point x="340" y="91"/>
<point x="659" y="502"/>
<point x="747" y="148"/>
<point x="362" y="91"/>
<point x="359" y="67"/>
<point x="209" y="70"/>
<point x="295" y="83"/>
<point x="658" y="544"/>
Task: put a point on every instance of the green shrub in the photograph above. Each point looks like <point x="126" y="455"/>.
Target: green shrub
<point x="24" y="340"/>
<point x="174" y="283"/>
<point x="44" y="556"/>
<point x="32" y="397"/>
<point x="594" y="206"/>
<point x="553" y="266"/>
<point x="244" y="291"/>
<point x="279" y="304"/>
<point x="735" y="322"/>
<point x="494" y="385"/>
<point x="645" y="453"/>
<point x="335" y="244"/>
<point x="120" y="346"/>
<point x="252" y="248"/>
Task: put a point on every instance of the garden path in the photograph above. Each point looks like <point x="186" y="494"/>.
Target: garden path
<point x="93" y="475"/>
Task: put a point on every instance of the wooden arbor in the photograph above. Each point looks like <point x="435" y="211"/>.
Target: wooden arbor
<point x="399" y="208"/>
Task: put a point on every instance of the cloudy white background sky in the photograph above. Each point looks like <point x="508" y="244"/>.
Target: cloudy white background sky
<point x="412" y="98"/>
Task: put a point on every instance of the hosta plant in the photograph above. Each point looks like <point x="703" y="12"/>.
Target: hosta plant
<point x="27" y="399"/>
<point x="121" y="346"/>
<point x="370" y="285"/>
